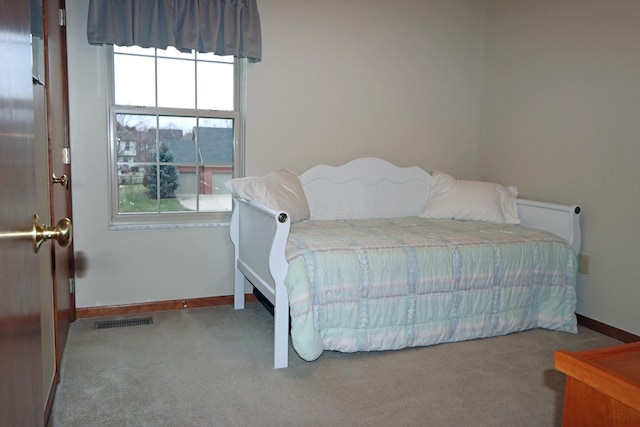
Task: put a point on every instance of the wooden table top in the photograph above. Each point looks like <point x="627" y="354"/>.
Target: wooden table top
<point x="614" y="370"/>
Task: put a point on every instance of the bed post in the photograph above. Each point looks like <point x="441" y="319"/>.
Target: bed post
<point x="238" y="288"/>
<point x="278" y="266"/>
<point x="281" y="331"/>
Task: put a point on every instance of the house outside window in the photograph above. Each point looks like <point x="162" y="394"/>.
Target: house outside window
<point x="176" y="135"/>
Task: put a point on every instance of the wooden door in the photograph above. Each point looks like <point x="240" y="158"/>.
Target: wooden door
<point x="20" y="336"/>
<point x="59" y="164"/>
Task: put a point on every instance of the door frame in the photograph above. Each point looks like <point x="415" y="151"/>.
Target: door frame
<point x="59" y="163"/>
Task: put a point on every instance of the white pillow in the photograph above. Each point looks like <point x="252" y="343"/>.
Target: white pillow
<point x="452" y="198"/>
<point x="281" y="191"/>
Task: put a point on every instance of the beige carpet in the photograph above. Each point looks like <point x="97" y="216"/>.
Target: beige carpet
<point x="213" y="367"/>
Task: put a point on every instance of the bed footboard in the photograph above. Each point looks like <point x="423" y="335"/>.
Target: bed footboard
<point x="260" y="258"/>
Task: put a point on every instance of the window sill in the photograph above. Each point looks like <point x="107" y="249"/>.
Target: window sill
<point x="160" y="222"/>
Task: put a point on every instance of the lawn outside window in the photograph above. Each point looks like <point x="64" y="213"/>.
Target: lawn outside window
<point x="176" y="135"/>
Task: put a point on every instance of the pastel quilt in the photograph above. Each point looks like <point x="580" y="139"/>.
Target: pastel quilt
<point x="384" y="284"/>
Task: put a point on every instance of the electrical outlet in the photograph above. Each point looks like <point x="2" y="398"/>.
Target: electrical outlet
<point x="584" y="263"/>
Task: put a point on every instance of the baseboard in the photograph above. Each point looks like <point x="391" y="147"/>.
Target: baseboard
<point x="607" y="330"/>
<point x="149" y="307"/>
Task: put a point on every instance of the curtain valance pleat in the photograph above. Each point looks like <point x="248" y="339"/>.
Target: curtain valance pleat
<point x="225" y="27"/>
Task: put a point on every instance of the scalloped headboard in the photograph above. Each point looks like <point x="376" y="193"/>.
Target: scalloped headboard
<point x="374" y="188"/>
<point x="365" y="188"/>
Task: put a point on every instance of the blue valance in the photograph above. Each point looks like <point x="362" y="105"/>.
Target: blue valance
<point x="225" y="27"/>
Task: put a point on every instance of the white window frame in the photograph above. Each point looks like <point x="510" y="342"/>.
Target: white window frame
<point x="145" y="220"/>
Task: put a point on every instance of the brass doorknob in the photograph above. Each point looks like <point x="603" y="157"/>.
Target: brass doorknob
<point x="63" y="180"/>
<point x="62" y="232"/>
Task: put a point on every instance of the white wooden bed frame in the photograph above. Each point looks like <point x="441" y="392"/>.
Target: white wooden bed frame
<point x="362" y="188"/>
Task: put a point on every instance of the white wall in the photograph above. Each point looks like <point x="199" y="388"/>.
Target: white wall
<point x="343" y="79"/>
<point x="339" y="79"/>
<point x="561" y="119"/>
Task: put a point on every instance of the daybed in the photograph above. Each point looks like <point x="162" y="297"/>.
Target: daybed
<point x="360" y="257"/>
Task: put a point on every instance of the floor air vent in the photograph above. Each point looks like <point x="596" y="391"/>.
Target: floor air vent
<point x="107" y="324"/>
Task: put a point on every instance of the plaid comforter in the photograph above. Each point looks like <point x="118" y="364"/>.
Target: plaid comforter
<point x="382" y="284"/>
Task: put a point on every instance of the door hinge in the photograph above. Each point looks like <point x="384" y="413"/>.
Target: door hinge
<point x="66" y="156"/>
<point x="72" y="285"/>
<point x="62" y="17"/>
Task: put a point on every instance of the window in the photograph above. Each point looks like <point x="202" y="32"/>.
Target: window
<point x="176" y="135"/>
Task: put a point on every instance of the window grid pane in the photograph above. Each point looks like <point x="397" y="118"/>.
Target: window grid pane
<point x="176" y="83"/>
<point x="215" y="86"/>
<point x="135" y="80"/>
